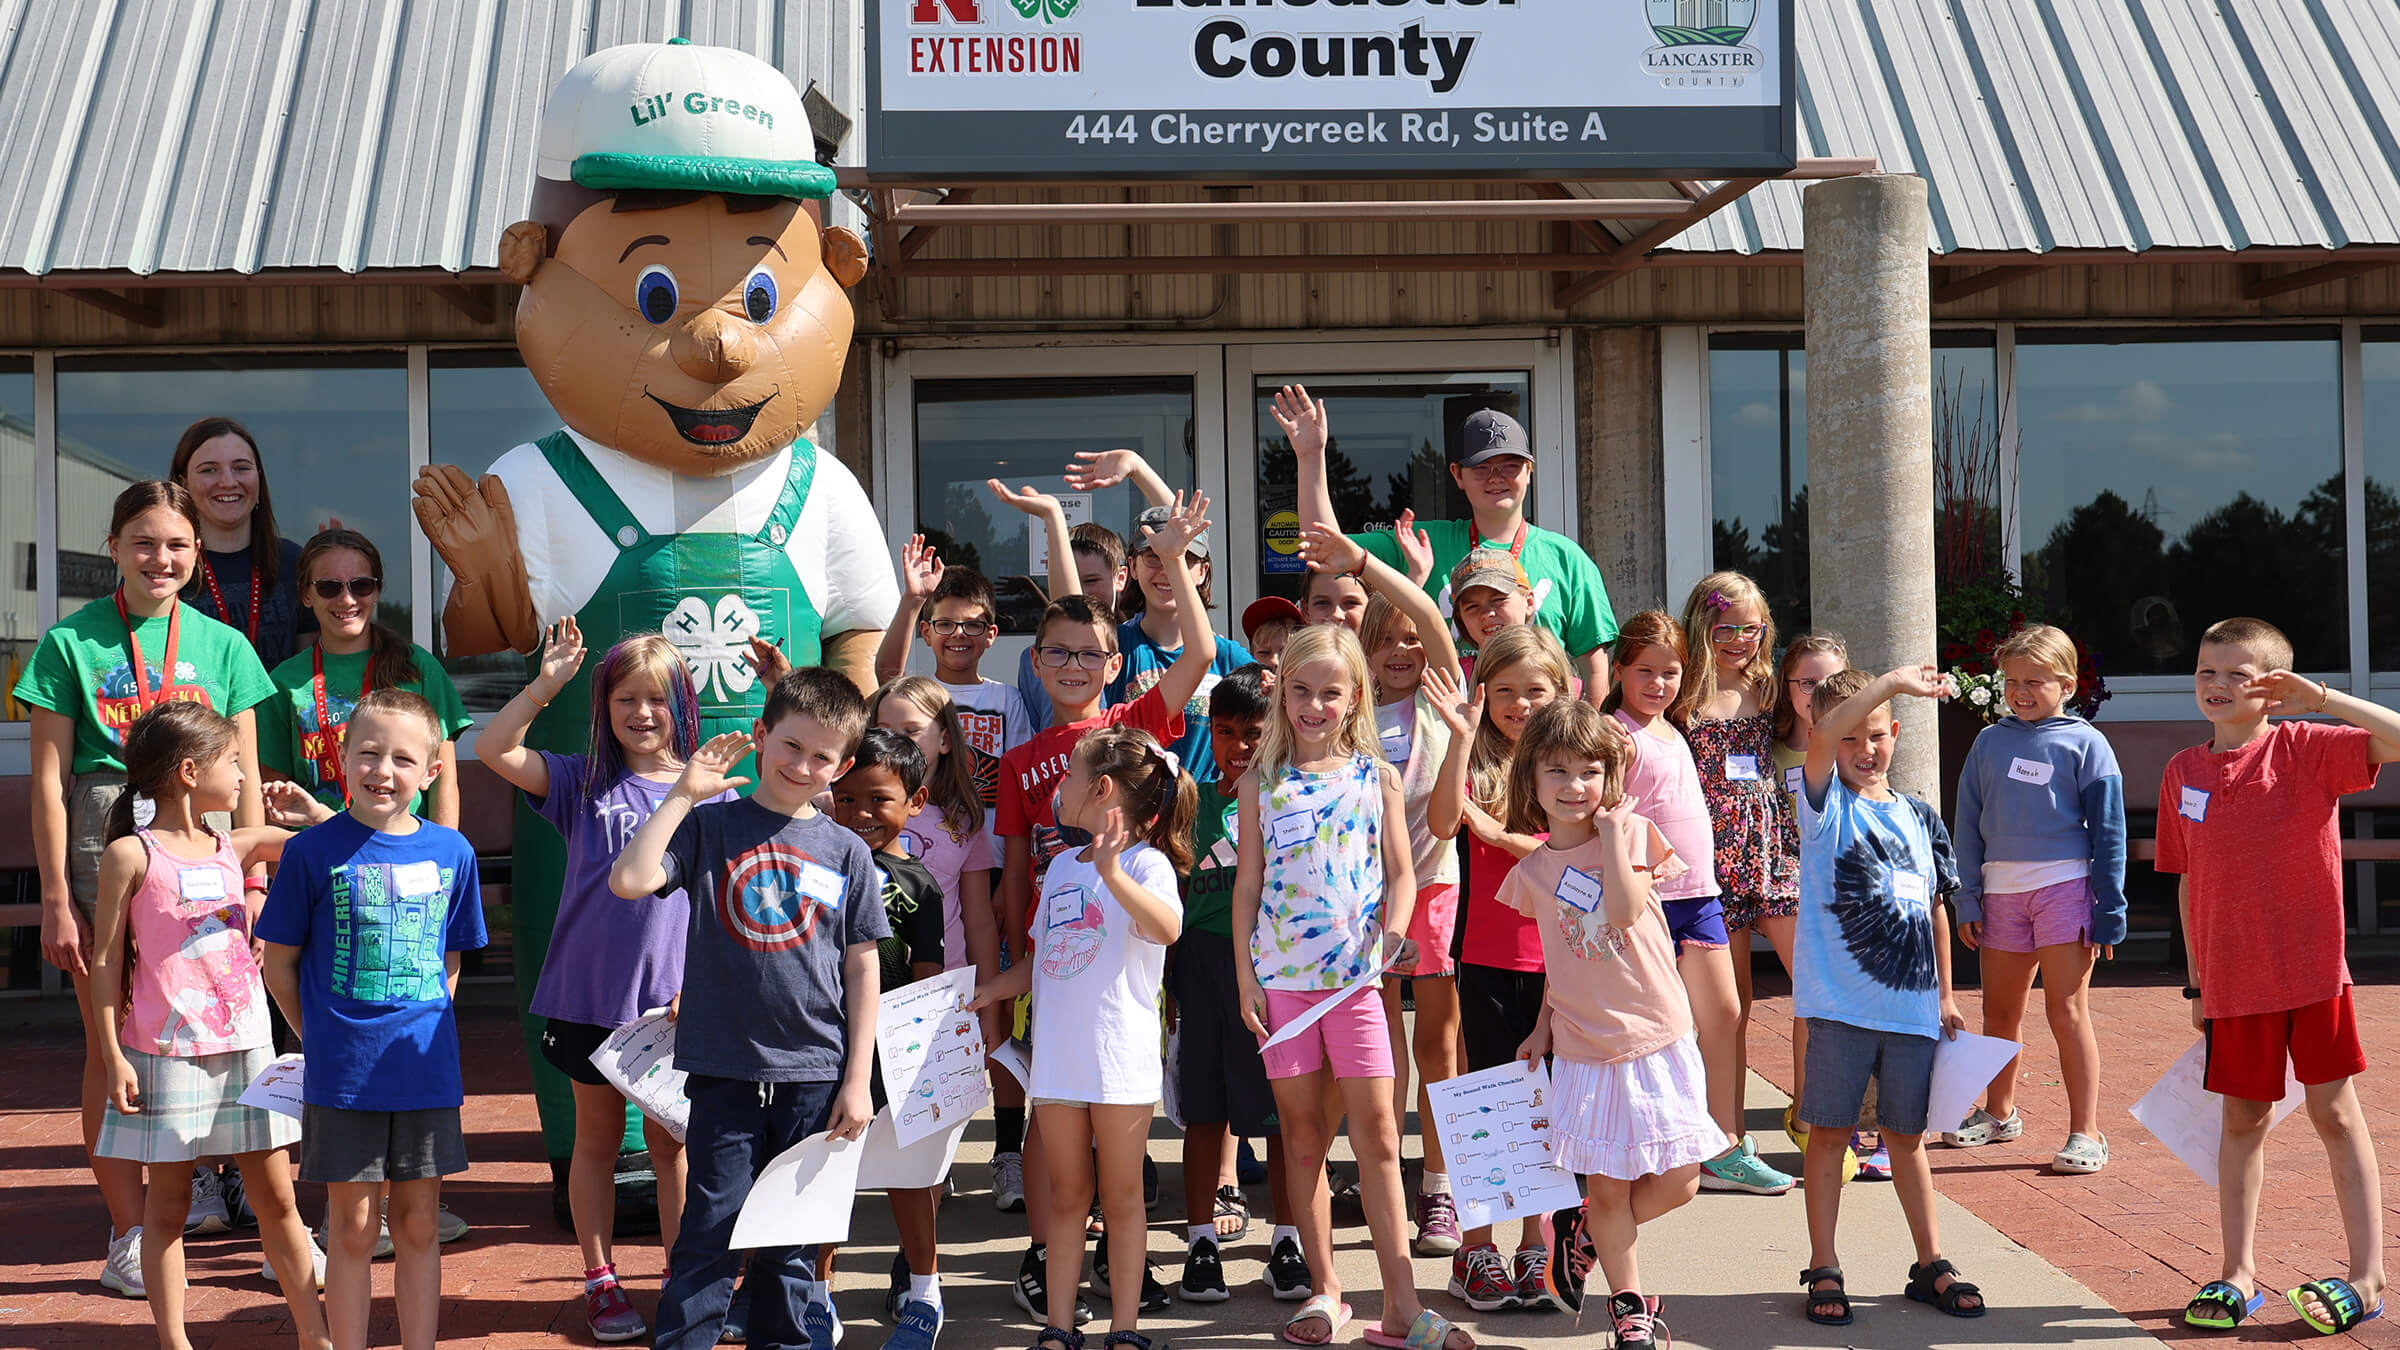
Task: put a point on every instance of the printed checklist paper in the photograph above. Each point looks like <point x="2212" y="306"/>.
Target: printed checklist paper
<point x="2189" y="1119"/>
<point x="1495" y="1130"/>
<point x="277" y="1087"/>
<point x="638" y="1060"/>
<point x="932" y="1055"/>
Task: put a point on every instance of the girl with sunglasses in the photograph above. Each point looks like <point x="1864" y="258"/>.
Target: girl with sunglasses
<point x="247" y="576"/>
<point x="340" y="576"/>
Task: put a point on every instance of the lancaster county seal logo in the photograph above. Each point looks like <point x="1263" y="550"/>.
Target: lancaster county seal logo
<point x="1702" y="44"/>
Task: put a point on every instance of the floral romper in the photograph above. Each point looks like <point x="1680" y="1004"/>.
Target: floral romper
<point x="1758" y="841"/>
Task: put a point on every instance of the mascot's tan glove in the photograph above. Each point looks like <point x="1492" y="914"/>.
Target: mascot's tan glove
<point x="474" y="528"/>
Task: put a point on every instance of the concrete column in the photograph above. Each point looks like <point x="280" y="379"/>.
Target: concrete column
<point x="1870" y="448"/>
<point x="1623" y="512"/>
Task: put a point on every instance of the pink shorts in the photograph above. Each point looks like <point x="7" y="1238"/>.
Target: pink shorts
<point x="1353" y="1037"/>
<point x="1430" y="926"/>
<point x="2027" y="921"/>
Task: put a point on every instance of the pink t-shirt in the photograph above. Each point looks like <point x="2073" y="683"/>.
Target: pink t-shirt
<point x="1614" y="994"/>
<point x="196" y="990"/>
<point x="2255" y="834"/>
<point x="1664" y="783"/>
<point x="948" y="857"/>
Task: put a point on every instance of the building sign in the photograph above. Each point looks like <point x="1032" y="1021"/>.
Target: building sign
<point x="960" y="90"/>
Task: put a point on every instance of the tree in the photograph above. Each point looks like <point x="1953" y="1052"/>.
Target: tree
<point x="2100" y="575"/>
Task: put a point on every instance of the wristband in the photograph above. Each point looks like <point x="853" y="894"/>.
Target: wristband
<point x="2192" y="992"/>
<point x="2324" y="692"/>
<point x="253" y="884"/>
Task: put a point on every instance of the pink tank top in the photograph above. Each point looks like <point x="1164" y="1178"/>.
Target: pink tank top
<point x="196" y="990"/>
<point x="1665" y="786"/>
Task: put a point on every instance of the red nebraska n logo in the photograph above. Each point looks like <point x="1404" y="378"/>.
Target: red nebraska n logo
<point x="961" y="11"/>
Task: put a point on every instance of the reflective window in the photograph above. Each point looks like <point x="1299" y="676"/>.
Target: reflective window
<point x="2381" y="359"/>
<point x="20" y="623"/>
<point x="483" y="405"/>
<point x="1025" y="433"/>
<point x="1390" y="453"/>
<point x="2170" y="478"/>
<point x="332" y="436"/>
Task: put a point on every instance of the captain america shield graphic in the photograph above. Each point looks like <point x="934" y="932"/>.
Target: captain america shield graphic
<point x="761" y="903"/>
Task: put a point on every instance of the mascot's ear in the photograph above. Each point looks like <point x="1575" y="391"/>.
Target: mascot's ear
<point x="523" y="246"/>
<point x="845" y="256"/>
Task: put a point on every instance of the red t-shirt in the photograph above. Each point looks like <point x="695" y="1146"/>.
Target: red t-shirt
<point x="1497" y="936"/>
<point x="2255" y="833"/>
<point x="1029" y="773"/>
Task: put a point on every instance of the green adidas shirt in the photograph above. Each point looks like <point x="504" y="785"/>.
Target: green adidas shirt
<point x="1208" y="891"/>
<point x="1569" y="598"/>
<point x="83" y="670"/>
<point x="292" y="743"/>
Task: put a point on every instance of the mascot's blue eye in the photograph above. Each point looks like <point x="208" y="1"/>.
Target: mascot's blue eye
<point x="758" y="296"/>
<point x="654" y="294"/>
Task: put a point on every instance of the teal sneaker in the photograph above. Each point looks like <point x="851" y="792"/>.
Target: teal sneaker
<point x="1742" y="1171"/>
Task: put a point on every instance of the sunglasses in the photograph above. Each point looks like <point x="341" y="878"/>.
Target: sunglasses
<point x="360" y="588"/>
<point x="1059" y="658"/>
<point x="953" y="627"/>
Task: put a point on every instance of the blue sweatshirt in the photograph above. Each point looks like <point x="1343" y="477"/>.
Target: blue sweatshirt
<point x="2041" y="792"/>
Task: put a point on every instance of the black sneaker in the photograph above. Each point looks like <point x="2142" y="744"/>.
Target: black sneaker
<point x="896" y="1297"/>
<point x="1149" y="1183"/>
<point x="1287" y="1272"/>
<point x="1032" y="1289"/>
<point x="1204" y="1274"/>
<point x="1154" y="1294"/>
<point x="1570" y="1262"/>
<point x="237" y="1201"/>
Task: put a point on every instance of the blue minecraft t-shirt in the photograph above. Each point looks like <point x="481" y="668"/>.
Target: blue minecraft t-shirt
<point x="375" y="916"/>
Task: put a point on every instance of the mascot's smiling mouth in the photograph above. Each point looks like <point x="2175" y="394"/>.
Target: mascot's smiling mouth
<point x="711" y="426"/>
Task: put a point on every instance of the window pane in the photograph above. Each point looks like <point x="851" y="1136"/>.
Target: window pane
<point x="1758" y="468"/>
<point x="483" y="405"/>
<point x="1390" y="453"/>
<point x="2381" y="352"/>
<point x="332" y="437"/>
<point x="2166" y="484"/>
<point x="1025" y="433"/>
<point x="19" y="624"/>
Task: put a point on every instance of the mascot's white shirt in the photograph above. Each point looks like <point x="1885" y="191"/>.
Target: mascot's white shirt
<point x="837" y="547"/>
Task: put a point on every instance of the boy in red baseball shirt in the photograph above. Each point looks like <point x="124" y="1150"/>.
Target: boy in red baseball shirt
<point x="2250" y="822"/>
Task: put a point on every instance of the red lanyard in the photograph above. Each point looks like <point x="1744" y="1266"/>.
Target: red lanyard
<point x="1474" y="542"/>
<point x="144" y="696"/>
<point x="329" y="763"/>
<point x="217" y="597"/>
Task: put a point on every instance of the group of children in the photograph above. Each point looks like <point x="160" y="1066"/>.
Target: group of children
<point x="1153" y="829"/>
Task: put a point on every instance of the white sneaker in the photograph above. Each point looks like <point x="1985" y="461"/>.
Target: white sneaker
<point x="1008" y="1182"/>
<point x="448" y="1227"/>
<point x="208" y="1212"/>
<point x="122" y="1272"/>
<point x="266" y="1267"/>
<point x="383" y="1241"/>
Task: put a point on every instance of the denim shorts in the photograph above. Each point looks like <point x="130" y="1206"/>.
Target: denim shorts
<point x="1842" y="1059"/>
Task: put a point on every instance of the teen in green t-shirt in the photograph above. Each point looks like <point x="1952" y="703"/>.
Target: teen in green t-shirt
<point x="92" y="675"/>
<point x="300" y="729"/>
<point x="1492" y="462"/>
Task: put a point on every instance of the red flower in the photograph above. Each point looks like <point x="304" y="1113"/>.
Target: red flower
<point x="1953" y="652"/>
<point x="1986" y="640"/>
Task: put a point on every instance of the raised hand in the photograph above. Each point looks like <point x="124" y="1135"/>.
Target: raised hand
<point x="920" y="569"/>
<point x="1097" y="469"/>
<point x="711" y="767"/>
<point x="289" y="805"/>
<point x="1186" y="521"/>
<point x="562" y="656"/>
<point x="769" y="661"/>
<point x="1460" y="713"/>
<point x="1326" y="549"/>
<point x="2288" y="694"/>
<point x="1923" y="682"/>
<point x="1303" y="419"/>
<point x="1109" y="842"/>
<point x="1030" y="500"/>
<point x="1416" y="547"/>
<point x="1617" y="822"/>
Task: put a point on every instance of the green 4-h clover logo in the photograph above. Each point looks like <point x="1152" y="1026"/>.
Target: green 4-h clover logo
<point x="1048" y="11"/>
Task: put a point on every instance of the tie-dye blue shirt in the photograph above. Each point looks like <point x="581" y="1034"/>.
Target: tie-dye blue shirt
<point x="1864" y="953"/>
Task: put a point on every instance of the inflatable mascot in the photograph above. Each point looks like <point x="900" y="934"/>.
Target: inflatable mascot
<point x="683" y="310"/>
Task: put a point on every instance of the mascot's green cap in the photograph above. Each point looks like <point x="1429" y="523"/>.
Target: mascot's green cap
<point x="669" y="116"/>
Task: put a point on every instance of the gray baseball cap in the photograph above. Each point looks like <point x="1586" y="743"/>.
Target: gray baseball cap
<point x="1154" y="516"/>
<point x="1487" y="434"/>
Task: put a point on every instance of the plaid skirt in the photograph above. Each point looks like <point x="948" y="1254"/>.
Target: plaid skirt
<point x="191" y="1108"/>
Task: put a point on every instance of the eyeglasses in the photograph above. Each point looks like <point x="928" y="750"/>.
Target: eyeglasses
<point x="1804" y="686"/>
<point x="1736" y="632"/>
<point x="360" y="588"/>
<point x="1059" y="658"/>
<point x="954" y="627"/>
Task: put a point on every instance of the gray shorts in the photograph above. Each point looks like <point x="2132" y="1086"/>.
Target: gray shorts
<point x="356" y="1146"/>
<point x="1843" y="1060"/>
<point x="90" y="799"/>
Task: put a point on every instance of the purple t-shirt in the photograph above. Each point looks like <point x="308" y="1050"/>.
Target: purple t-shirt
<point x="610" y="960"/>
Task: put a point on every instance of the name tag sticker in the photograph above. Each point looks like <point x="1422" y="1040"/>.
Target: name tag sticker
<point x="2030" y="770"/>
<point x="200" y="883"/>
<point x="1292" y="829"/>
<point x="2193" y="805"/>
<point x="1579" y="889"/>
<point x="1741" y="768"/>
<point x="1909" y="887"/>
<point x="821" y="884"/>
<point x="417" y="879"/>
<point x="1066" y="906"/>
<point x="1794" y="779"/>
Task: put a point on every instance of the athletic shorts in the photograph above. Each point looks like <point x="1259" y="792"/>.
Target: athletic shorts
<point x="1696" y="923"/>
<point x="1218" y="1073"/>
<point x="357" y="1146"/>
<point x="569" y="1046"/>
<point x="2027" y="921"/>
<point x="2246" y="1054"/>
<point x="1353" y="1038"/>
<point x="1496" y="1012"/>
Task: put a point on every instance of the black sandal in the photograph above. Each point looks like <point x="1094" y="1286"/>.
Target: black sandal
<point x="1132" y="1338"/>
<point x="1810" y="1279"/>
<point x="1066" y="1340"/>
<point x="1921" y="1282"/>
<point x="1232" y="1204"/>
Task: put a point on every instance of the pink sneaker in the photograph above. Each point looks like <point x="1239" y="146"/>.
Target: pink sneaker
<point x="611" y="1314"/>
